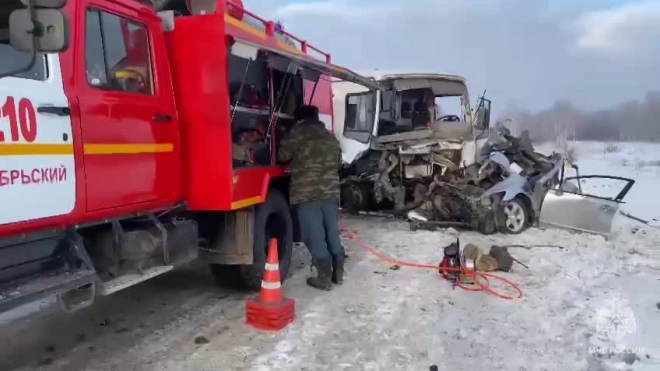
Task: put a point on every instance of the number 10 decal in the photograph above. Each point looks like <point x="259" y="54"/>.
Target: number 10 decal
<point x="22" y="120"/>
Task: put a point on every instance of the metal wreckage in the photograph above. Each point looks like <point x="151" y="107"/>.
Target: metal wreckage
<point x="448" y="170"/>
<point x="422" y="180"/>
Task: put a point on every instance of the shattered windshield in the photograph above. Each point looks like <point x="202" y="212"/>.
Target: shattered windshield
<point x="12" y="59"/>
<point x="449" y="105"/>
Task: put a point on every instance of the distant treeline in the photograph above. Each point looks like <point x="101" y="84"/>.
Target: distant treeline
<point x="637" y="120"/>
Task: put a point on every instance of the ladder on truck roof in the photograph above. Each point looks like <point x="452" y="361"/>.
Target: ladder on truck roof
<point x="273" y="39"/>
<point x="259" y="24"/>
<point x="271" y="29"/>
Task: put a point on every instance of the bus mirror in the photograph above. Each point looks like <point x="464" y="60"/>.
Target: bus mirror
<point x="50" y="4"/>
<point x="50" y="30"/>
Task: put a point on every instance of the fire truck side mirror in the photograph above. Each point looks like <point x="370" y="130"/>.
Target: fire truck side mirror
<point x="44" y="31"/>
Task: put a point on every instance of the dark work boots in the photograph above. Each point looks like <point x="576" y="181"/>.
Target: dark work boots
<point x="324" y="272"/>
<point x="338" y="270"/>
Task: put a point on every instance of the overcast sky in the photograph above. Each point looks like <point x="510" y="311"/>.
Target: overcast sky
<point x="527" y="53"/>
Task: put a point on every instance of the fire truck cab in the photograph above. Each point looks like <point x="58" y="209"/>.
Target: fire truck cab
<point x="148" y="142"/>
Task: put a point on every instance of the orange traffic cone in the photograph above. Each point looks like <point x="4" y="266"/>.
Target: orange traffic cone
<point x="271" y="311"/>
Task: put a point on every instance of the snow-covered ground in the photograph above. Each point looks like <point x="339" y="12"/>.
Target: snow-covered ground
<point x="409" y="319"/>
<point x="389" y="318"/>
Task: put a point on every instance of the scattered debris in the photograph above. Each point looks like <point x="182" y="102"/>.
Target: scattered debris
<point x="434" y="225"/>
<point x="529" y="247"/>
<point x="417" y="175"/>
<point x="472" y="258"/>
<point x="650" y="223"/>
<point x="521" y="263"/>
<point x="503" y="258"/>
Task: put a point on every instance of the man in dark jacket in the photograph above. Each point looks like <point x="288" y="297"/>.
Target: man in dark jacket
<point x="314" y="157"/>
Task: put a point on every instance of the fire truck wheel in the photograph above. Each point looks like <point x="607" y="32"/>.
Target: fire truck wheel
<point x="272" y="219"/>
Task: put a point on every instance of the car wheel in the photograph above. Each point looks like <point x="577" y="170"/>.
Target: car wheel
<point x="514" y="216"/>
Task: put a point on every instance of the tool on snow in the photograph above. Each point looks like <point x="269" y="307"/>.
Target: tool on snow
<point x="451" y="260"/>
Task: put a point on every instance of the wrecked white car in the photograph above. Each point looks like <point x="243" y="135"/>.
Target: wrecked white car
<point x="517" y="191"/>
<point x="503" y="192"/>
<point x="558" y="199"/>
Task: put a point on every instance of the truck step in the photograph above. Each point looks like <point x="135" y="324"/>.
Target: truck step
<point x="13" y="295"/>
<point x="128" y="280"/>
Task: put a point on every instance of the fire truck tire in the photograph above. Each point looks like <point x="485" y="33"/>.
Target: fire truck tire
<point x="272" y="219"/>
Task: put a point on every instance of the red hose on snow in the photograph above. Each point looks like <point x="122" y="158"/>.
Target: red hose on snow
<point x="484" y="285"/>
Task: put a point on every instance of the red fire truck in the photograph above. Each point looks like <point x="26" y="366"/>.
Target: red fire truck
<point x="148" y="142"/>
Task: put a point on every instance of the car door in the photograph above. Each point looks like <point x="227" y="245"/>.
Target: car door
<point x="127" y="109"/>
<point x="570" y="207"/>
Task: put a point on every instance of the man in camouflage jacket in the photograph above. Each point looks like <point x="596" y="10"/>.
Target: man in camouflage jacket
<point x="314" y="157"/>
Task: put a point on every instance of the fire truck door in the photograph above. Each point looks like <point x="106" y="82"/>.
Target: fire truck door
<point x="37" y="167"/>
<point x="127" y="111"/>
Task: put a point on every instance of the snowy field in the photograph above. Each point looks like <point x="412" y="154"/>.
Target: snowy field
<point x="639" y="161"/>
<point x="394" y="318"/>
